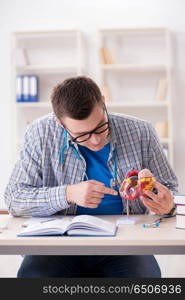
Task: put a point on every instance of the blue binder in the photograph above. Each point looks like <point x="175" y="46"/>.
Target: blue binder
<point x="27" y="88"/>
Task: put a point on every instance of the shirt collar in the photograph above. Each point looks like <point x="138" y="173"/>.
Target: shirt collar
<point x="112" y="138"/>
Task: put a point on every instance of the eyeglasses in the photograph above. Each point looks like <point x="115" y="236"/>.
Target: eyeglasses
<point x="86" y="136"/>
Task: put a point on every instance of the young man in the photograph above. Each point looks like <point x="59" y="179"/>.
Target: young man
<point x="73" y="162"/>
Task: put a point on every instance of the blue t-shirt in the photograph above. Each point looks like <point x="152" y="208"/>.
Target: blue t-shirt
<point x="97" y="169"/>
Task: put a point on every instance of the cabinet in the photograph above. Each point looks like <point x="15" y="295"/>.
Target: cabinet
<point x="50" y="55"/>
<point x="135" y="74"/>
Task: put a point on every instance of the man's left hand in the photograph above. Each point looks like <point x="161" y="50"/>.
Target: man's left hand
<point x="162" y="203"/>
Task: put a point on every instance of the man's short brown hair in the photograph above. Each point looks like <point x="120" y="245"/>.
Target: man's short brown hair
<point x="75" y="97"/>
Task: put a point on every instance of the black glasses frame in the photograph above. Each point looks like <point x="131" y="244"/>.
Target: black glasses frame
<point x="74" y="139"/>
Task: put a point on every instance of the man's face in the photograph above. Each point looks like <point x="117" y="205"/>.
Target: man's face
<point x="79" y="127"/>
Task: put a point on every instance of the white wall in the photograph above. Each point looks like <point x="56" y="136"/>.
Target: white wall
<point x="88" y="16"/>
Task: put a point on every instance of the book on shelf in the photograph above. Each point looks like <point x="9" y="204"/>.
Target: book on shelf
<point x="111" y="56"/>
<point x="161" y="128"/>
<point x="106" y="93"/>
<point x="20" y="57"/>
<point x="102" y="56"/>
<point x="161" y="89"/>
<point x="107" y="56"/>
<point x="82" y="225"/>
<point x="180" y="211"/>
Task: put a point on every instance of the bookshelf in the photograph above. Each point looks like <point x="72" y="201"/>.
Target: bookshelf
<point x="135" y="74"/>
<point x="50" y="55"/>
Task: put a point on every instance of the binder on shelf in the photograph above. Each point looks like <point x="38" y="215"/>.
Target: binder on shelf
<point x="161" y="89"/>
<point x="27" y="88"/>
<point x="19" y="89"/>
<point x="33" y="88"/>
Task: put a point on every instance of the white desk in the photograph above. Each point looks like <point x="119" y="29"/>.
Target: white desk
<point x="130" y="239"/>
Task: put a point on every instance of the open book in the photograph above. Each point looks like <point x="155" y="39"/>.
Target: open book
<point x="82" y="225"/>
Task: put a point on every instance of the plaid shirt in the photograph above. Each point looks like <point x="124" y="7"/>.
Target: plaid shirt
<point x="37" y="186"/>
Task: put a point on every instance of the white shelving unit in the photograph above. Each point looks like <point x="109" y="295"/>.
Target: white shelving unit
<point x="135" y="73"/>
<point x="52" y="56"/>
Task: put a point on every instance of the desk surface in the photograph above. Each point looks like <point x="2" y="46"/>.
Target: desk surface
<point x="130" y="239"/>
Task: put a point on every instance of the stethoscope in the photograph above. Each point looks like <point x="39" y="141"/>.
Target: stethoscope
<point x="113" y="181"/>
<point x="65" y="146"/>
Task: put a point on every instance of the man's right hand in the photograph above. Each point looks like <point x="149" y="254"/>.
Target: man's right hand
<point x="88" y="193"/>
